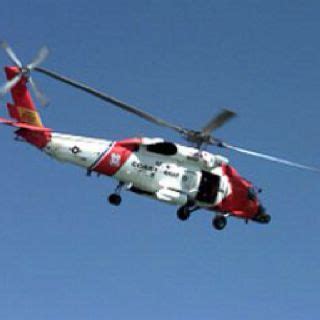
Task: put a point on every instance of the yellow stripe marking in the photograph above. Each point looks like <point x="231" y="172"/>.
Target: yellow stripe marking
<point x="29" y="116"/>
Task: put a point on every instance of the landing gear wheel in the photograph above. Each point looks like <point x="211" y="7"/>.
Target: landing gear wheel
<point x="115" y="199"/>
<point x="183" y="213"/>
<point x="219" y="222"/>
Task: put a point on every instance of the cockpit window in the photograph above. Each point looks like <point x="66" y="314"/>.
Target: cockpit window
<point x="165" y="148"/>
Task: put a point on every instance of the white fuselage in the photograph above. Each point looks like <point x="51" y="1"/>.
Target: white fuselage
<point x="173" y="179"/>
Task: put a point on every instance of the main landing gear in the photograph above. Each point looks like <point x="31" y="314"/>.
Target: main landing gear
<point x="219" y="222"/>
<point x="115" y="198"/>
<point x="184" y="212"/>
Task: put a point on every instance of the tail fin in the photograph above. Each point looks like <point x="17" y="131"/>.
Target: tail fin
<point x="23" y="109"/>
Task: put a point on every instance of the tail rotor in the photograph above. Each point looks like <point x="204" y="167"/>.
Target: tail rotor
<point x="24" y="71"/>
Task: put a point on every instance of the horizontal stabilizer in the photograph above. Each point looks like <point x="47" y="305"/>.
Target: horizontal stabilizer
<point x="22" y="125"/>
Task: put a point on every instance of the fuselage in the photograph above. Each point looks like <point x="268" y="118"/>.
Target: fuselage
<point x="166" y="171"/>
<point x="144" y="165"/>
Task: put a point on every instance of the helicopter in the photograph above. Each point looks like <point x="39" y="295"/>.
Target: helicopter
<point x="188" y="177"/>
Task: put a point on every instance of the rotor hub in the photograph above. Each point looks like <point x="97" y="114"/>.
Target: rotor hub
<point x="25" y="71"/>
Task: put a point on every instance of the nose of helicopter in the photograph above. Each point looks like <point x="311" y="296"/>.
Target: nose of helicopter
<point x="261" y="215"/>
<point x="243" y="201"/>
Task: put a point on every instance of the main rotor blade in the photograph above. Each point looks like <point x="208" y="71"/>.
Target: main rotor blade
<point x="11" y="54"/>
<point x="10" y="84"/>
<point x="38" y="93"/>
<point x="41" y="55"/>
<point x="268" y="157"/>
<point x="218" y="121"/>
<point x="132" y="109"/>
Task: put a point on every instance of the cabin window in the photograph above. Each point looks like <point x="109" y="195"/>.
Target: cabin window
<point x="164" y="148"/>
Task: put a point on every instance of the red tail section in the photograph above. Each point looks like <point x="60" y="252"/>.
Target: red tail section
<point x="25" y="113"/>
<point x="23" y="109"/>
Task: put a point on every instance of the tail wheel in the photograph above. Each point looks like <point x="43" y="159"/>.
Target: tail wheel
<point x="219" y="222"/>
<point x="183" y="213"/>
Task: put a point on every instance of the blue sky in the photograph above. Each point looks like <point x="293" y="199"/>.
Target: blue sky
<point x="66" y="254"/>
